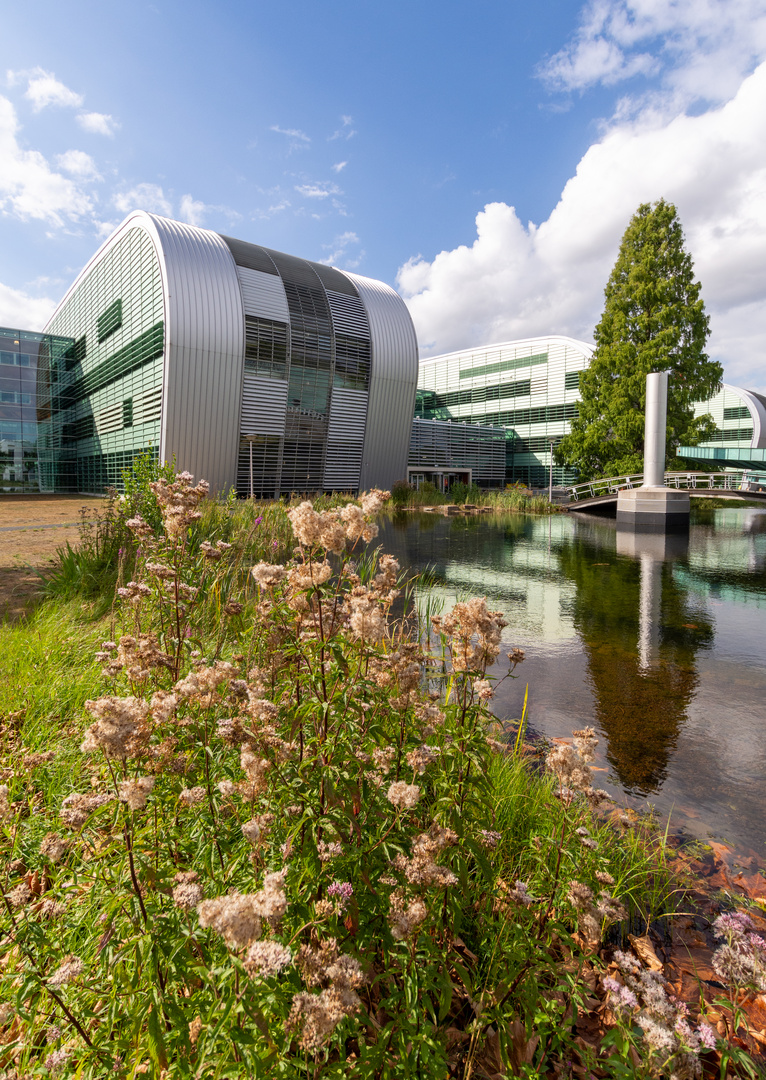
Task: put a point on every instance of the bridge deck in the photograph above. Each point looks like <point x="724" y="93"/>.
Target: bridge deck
<point x="603" y="493"/>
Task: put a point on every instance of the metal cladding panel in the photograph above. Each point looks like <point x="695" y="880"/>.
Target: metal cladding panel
<point x="348" y="314"/>
<point x="264" y="406"/>
<point x="249" y="255"/>
<point x="348" y="411"/>
<point x="333" y="280"/>
<point x="393" y="378"/>
<point x="204" y="352"/>
<point x="263" y="295"/>
<point x="757" y="406"/>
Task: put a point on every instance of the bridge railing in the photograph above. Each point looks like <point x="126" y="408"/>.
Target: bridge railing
<point x="727" y="481"/>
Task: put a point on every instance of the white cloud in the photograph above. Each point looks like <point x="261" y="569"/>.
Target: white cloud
<point x="29" y="187"/>
<point x="98" y="123"/>
<point x="43" y="89"/>
<point x="320" y="190"/>
<point x="701" y="49"/>
<point x="149" y="197"/>
<point x="346" y="131"/>
<point x="20" y="310"/>
<point x="339" y="251"/>
<point x="192" y="211"/>
<point x="78" y="163"/>
<point x="519" y="280"/>
<point x="339" y="166"/>
<point x="292" y="133"/>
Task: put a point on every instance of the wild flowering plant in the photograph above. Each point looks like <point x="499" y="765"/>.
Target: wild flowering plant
<point x="279" y="833"/>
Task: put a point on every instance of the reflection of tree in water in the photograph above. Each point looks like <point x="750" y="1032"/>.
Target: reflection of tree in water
<point x="640" y="711"/>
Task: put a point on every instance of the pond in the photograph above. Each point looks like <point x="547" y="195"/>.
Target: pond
<point x="658" y="642"/>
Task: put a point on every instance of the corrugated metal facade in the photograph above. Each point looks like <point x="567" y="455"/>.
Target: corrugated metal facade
<point x="205" y="340"/>
<point x="272" y="373"/>
<point x="393" y="380"/>
<point x="740" y="418"/>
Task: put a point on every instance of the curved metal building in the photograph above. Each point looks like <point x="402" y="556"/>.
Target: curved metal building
<point x="248" y="366"/>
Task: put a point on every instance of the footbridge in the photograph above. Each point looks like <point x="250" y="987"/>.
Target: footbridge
<point x="729" y="485"/>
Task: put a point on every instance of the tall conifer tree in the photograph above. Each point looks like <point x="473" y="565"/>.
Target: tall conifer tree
<point x="653" y="320"/>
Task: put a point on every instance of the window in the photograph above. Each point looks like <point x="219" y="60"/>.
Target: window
<point x="265" y="347"/>
<point x="75" y="354"/>
<point x="352" y="362"/>
<point x="110" y="321"/>
<point x="740" y="412"/>
<point x="504" y="365"/>
<point x="572" y="380"/>
<point x="127" y="413"/>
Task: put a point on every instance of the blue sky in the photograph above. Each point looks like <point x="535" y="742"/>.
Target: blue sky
<point x="483" y="158"/>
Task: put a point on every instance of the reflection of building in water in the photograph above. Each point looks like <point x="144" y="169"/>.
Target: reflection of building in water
<point x="509" y="560"/>
<point x="640" y="638"/>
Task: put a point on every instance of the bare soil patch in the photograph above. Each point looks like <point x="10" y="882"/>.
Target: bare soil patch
<point x="32" y="527"/>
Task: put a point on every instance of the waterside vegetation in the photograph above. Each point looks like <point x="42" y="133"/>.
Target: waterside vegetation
<point x="254" y="825"/>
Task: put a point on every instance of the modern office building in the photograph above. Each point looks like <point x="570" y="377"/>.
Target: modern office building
<point x="20" y="353"/>
<point x="443" y="453"/>
<point x="249" y="367"/>
<point x="530" y="388"/>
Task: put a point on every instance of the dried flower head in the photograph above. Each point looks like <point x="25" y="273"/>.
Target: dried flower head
<point x="235" y="916"/>
<point x="69" y="969"/>
<point x="403" y="796"/>
<point x="192" y="796"/>
<point x="267" y="958"/>
<point x="135" y="792"/>
<point x="53" y="847"/>
<point x="77" y="808"/>
<point x="187" y="893"/>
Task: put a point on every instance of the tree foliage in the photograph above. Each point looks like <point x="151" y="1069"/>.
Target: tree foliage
<point x="654" y="320"/>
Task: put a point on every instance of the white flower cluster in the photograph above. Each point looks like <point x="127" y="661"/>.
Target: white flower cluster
<point x="466" y="622"/>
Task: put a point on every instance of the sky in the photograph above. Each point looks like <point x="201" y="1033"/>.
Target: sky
<point x="484" y="159"/>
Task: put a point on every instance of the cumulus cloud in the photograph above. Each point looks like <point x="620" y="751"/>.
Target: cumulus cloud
<point x="18" y="309"/>
<point x="29" y="187"/>
<point x="517" y="280"/>
<point x="97" y="123"/>
<point x="78" y="163"/>
<point x="149" y="197"/>
<point x="43" y="89"/>
<point x="700" y="49"/>
<point x="339" y="166"/>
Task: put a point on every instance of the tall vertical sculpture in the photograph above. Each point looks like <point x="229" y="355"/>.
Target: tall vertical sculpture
<point x="654" y="507"/>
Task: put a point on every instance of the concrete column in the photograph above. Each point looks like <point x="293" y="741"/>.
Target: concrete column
<point x="655" y="427"/>
<point x="653" y="507"/>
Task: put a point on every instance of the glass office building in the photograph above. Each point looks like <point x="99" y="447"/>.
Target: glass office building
<point x="250" y="367"/>
<point x="22" y="413"/>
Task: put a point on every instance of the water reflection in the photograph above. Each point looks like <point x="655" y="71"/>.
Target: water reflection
<point x="641" y="636"/>
<point x="658" y="642"/>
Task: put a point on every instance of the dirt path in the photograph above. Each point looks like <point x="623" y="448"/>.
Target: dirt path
<point x="32" y="527"/>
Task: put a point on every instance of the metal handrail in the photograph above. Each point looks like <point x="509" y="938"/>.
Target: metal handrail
<point x="728" y="481"/>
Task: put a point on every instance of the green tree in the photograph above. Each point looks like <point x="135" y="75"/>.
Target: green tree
<point x="653" y="320"/>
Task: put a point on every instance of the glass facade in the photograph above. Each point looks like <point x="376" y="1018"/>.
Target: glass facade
<point x="99" y="401"/>
<point x="22" y="352"/>
<point x="439" y="449"/>
<point x="530" y="388"/>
